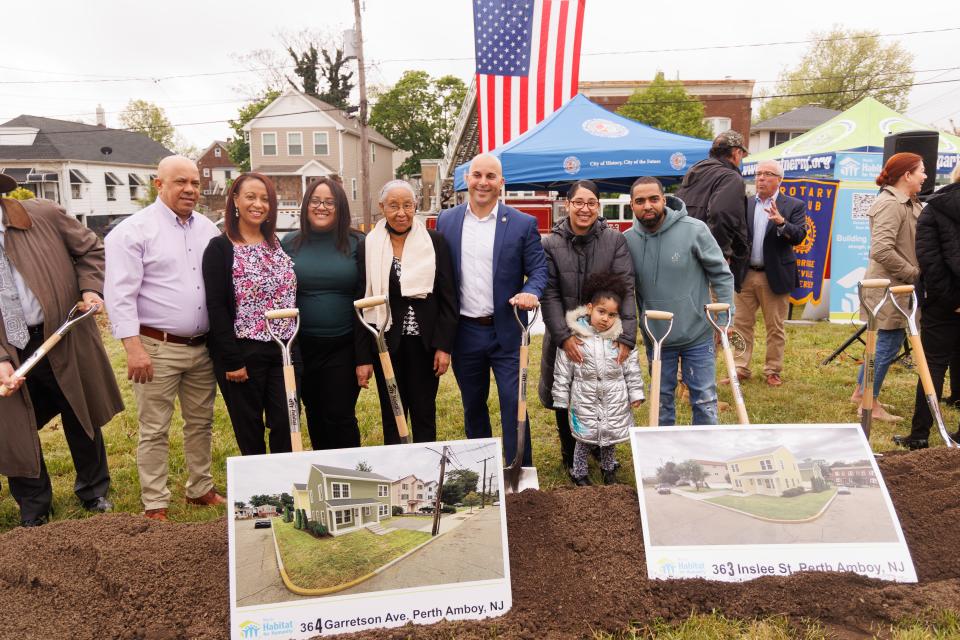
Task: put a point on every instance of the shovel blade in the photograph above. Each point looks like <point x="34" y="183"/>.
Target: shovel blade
<point x="517" y="479"/>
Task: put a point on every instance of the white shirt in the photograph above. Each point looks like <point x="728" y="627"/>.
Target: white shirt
<point x="760" y="220"/>
<point x="476" y="263"/>
<point x="32" y="311"/>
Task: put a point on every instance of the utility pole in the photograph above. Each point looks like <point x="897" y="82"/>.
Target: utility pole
<point x="436" y="506"/>
<point x="483" y="492"/>
<point x="364" y="141"/>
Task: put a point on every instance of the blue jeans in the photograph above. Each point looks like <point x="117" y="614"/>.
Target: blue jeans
<point x="889" y="342"/>
<point x="699" y="374"/>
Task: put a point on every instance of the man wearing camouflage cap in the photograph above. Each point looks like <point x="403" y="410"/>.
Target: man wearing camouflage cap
<point x="714" y="192"/>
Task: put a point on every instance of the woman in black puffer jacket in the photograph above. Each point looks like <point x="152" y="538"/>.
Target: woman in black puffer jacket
<point x="578" y="246"/>
<point x="938" y="255"/>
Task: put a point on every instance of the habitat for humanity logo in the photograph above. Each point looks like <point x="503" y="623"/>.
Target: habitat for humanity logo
<point x="676" y="568"/>
<point x="571" y="164"/>
<point x="265" y="629"/>
<point x="678" y="161"/>
<point x="849" y="167"/>
<point x="603" y="128"/>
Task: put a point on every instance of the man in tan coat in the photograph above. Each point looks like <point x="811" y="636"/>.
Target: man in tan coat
<point x="48" y="262"/>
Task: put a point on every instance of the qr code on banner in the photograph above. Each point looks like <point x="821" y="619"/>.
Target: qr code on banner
<point x="861" y="204"/>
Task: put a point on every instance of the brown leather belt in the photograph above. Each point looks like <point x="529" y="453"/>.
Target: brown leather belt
<point x="484" y="321"/>
<point x="163" y="336"/>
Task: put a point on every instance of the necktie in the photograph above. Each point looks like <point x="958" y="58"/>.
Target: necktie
<point x="14" y="322"/>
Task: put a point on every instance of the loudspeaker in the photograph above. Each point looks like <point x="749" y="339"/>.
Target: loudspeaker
<point x="922" y="143"/>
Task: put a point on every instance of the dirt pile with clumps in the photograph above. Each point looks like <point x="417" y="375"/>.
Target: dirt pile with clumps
<point x="576" y="558"/>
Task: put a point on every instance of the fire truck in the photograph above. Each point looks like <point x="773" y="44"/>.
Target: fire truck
<point x="548" y="210"/>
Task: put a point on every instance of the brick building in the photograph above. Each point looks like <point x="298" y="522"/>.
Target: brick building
<point x="726" y="103"/>
<point x="216" y="171"/>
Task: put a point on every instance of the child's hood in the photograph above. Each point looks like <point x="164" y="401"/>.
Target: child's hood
<point x="579" y="322"/>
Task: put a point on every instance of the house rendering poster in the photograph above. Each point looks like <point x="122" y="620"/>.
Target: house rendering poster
<point x="328" y="542"/>
<point x="737" y="503"/>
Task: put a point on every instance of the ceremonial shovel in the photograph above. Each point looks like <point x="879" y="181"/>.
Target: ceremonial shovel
<point x="920" y="358"/>
<point x="870" y="350"/>
<point x="74" y="317"/>
<point x="718" y="308"/>
<point x="654" y="420"/>
<point x="519" y="477"/>
<point x="289" y="380"/>
<point x="392" y="390"/>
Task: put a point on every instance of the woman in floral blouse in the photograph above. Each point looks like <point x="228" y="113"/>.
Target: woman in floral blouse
<point x="246" y="273"/>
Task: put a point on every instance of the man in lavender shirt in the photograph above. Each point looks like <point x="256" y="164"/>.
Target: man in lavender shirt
<point x="156" y="301"/>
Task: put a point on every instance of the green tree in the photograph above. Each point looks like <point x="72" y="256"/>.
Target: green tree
<point x="22" y="193"/>
<point x="286" y="500"/>
<point x="305" y="65"/>
<point x="691" y="471"/>
<point x="464" y="478"/>
<point x="338" y="82"/>
<point x="668" y="473"/>
<point x="238" y="147"/>
<point x="363" y="465"/>
<point x="149" y="119"/>
<point x="150" y="196"/>
<point x="666" y="105"/>
<point x="841" y="68"/>
<point x="471" y="500"/>
<point x="239" y="504"/>
<point x="418" y="114"/>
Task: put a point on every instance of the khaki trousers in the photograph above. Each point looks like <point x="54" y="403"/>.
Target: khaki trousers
<point x="187" y="373"/>
<point x="755" y="293"/>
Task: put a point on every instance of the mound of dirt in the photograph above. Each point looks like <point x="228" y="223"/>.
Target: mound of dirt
<point x="576" y="558"/>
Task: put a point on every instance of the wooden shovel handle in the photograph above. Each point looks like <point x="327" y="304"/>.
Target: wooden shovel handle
<point x="276" y="314"/>
<point x="902" y="288"/>
<point x="875" y="283"/>
<point x="372" y="301"/>
<point x="394" y="393"/>
<point x="716" y="307"/>
<point x="31" y="361"/>
<point x="659" y="315"/>
<point x="654" y="420"/>
<point x="741" y="407"/>
<point x="923" y="369"/>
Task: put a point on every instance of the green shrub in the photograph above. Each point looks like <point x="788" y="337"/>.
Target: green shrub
<point x="298" y="521"/>
<point x="397" y="511"/>
<point x="447" y="509"/>
<point x="287" y="515"/>
<point x="792" y="492"/>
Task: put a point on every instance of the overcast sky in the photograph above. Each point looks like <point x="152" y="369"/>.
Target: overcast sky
<point x="827" y="442"/>
<point x="274" y="474"/>
<point x="70" y="52"/>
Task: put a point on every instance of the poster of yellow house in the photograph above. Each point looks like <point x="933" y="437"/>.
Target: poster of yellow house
<point x="769" y="471"/>
<point x="345" y="500"/>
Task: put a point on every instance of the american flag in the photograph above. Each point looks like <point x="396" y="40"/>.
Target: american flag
<point x="528" y="63"/>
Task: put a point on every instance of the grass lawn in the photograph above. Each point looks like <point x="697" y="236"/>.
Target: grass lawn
<point x="315" y="563"/>
<point x="811" y="394"/>
<point x="796" y="508"/>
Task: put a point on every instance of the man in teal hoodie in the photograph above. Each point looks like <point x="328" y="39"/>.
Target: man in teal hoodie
<point x="677" y="261"/>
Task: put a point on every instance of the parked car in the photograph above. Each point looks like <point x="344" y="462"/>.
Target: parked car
<point x="261" y="524"/>
<point x="663" y="489"/>
<point x="843" y="491"/>
<point x="496" y="503"/>
<point x="682" y="483"/>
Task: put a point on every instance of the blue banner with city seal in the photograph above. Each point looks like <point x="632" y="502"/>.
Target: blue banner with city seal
<point x="813" y="254"/>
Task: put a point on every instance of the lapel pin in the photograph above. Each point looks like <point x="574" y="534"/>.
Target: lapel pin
<point x="503" y="219"/>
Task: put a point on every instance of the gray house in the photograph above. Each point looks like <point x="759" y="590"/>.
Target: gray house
<point x="346" y="500"/>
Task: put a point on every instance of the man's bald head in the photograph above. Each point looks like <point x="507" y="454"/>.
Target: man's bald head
<point x="178" y="184"/>
<point x="484" y="181"/>
<point x="487" y="161"/>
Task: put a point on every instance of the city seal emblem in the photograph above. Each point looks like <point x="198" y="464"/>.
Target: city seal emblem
<point x="571" y="164"/>
<point x="678" y="161"/>
<point x="603" y="128"/>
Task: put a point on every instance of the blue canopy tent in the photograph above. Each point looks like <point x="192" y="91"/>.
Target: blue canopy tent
<point x="582" y="140"/>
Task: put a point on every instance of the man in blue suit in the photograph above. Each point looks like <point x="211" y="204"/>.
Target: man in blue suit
<point x="498" y="263"/>
<point x="776" y="223"/>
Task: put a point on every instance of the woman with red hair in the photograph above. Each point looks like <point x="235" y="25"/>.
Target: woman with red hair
<point x="893" y="228"/>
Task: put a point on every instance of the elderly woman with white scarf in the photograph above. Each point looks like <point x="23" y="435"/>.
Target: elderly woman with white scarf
<point x="412" y="265"/>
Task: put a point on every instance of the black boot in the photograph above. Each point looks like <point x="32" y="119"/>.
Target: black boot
<point x="581" y="481"/>
<point x="609" y="476"/>
<point x="911" y="443"/>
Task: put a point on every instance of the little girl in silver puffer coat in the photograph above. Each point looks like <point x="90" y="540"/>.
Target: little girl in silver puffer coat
<point x="599" y="391"/>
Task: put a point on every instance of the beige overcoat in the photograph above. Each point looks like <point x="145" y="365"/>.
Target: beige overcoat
<point x="893" y="254"/>
<point x="57" y="257"/>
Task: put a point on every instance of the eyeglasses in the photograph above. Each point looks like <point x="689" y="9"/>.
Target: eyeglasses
<point x="767" y="174"/>
<point x="393" y="207"/>
<point x="580" y="204"/>
<point x="317" y="203"/>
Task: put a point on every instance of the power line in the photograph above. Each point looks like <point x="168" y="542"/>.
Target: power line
<point x="207" y="74"/>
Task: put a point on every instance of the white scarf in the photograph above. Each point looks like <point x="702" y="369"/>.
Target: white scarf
<point x="418" y="267"/>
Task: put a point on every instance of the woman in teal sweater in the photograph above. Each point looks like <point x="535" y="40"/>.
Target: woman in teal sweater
<point x="328" y="261"/>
